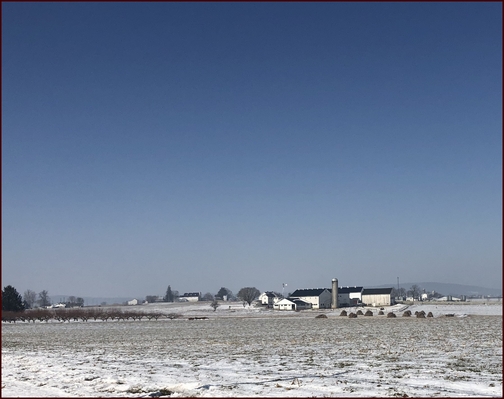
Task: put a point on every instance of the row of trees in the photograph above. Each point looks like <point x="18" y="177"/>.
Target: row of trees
<point x="13" y="302"/>
<point x="76" y="314"/>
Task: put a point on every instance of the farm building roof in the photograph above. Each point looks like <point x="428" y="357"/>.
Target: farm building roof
<point x="377" y="291"/>
<point x="190" y="294"/>
<point x="347" y="290"/>
<point x="308" y="292"/>
<point x="300" y="302"/>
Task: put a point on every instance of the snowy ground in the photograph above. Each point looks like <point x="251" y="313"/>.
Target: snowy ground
<point x="252" y="352"/>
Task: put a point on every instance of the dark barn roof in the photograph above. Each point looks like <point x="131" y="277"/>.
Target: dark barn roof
<point x="377" y="291"/>
<point x="347" y="290"/>
<point x="300" y="302"/>
<point x="190" y="294"/>
<point x="308" y="292"/>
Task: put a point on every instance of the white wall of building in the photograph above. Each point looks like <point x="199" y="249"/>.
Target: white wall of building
<point x="376" y="300"/>
<point x="284" y="304"/>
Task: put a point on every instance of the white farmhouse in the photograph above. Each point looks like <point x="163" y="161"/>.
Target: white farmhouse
<point x="133" y="302"/>
<point x="268" y="298"/>
<point x="320" y="298"/>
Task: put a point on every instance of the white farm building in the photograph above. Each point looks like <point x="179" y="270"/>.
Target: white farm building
<point x="268" y="298"/>
<point x="349" y="296"/>
<point x="377" y="296"/>
<point x="291" y="304"/>
<point x="320" y="298"/>
<point x="191" y="296"/>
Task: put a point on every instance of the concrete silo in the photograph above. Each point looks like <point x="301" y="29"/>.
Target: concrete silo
<point x="334" y="302"/>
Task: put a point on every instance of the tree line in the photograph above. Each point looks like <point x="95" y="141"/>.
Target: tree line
<point x="14" y="302"/>
<point x="414" y="292"/>
<point x="246" y="294"/>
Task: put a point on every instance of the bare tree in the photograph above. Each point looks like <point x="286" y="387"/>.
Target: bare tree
<point x="398" y="293"/>
<point x="44" y="299"/>
<point x="248" y="294"/>
<point x="29" y="298"/>
<point x="415" y="291"/>
<point x="214" y="305"/>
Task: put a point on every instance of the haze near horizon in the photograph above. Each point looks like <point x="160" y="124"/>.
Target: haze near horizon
<point x="208" y="145"/>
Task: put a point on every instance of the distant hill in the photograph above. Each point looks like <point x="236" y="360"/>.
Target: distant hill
<point x="449" y="289"/>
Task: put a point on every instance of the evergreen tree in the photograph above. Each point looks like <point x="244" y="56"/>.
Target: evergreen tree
<point x="12" y="300"/>
<point x="169" y="295"/>
<point x="224" y="292"/>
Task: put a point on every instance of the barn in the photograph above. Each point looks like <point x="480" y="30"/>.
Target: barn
<point x="349" y="296"/>
<point x="377" y="296"/>
<point x="191" y="296"/>
<point x="320" y="298"/>
<point x="355" y="292"/>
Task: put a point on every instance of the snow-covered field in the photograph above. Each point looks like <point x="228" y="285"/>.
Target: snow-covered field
<point x="252" y="352"/>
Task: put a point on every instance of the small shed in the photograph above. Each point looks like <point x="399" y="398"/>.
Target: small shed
<point x="292" y="304"/>
<point x="284" y="304"/>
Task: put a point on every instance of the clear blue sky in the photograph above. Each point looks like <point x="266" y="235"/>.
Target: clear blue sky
<point x="204" y="145"/>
